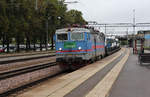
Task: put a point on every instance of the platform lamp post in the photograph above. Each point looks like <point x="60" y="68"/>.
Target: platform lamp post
<point x="105" y="30"/>
<point x="59" y="19"/>
<point x="127" y="37"/>
<point x="3" y="39"/>
<point x="47" y="27"/>
<point x="36" y="4"/>
<point x="47" y="24"/>
<point x="134" y="21"/>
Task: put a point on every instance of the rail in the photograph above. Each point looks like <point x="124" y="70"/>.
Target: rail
<point x="24" y="58"/>
<point x="5" y="75"/>
<point x="24" y="54"/>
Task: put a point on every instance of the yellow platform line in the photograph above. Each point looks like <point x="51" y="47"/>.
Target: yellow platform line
<point x="103" y="87"/>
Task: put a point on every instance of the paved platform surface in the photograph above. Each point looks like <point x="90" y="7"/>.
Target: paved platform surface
<point x="133" y="81"/>
<point x="66" y="85"/>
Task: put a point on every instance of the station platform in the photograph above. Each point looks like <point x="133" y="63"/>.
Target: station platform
<point x="133" y="81"/>
<point x="95" y="80"/>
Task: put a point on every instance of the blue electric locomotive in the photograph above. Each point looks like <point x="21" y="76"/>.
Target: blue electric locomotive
<point x="76" y="45"/>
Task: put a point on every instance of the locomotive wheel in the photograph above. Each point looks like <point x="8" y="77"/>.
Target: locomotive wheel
<point x="72" y="67"/>
<point x="100" y="57"/>
<point x="76" y="65"/>
<point x="63" y="66"/>
<point x="92" y="60"/>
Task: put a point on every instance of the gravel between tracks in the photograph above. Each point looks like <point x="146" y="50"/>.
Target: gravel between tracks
<point x="24" y="54"/>
<point x="17" y="81"/>
<point x="17" y="65"/>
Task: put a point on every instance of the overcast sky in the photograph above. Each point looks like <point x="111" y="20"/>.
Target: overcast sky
<point x="113" y="11"/>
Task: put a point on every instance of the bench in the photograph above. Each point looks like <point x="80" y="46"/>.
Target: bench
<point x="144" y="58"/>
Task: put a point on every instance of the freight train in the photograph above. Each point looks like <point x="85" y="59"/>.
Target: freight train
<point x="111" y="45"/>
<point x="76" y="46"/>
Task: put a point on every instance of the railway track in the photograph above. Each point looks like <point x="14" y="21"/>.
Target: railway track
<point x="24" y="54"/>
<point x="14" y="79"/>
<point x="24" y="58"/>
<point x="72" y="79"/>
<point x="17" y="72"/>
<point x="17" y="78"/>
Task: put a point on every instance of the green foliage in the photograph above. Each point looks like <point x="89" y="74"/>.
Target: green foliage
<point x="20" y="20"/>
<point x="75" y="17"/>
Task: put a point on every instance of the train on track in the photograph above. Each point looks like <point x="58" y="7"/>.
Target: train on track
<point x="77" y="45"/>
<point x="112" y="44"/>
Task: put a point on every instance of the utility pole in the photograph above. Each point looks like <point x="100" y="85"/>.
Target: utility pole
<point x="36" y="4"/>
<point x="134" y="25"/>
<point x="105" y="29"/>
<point x="47" y="27"/>
<point x="127" y="37"/>
<point x="47" y="35"/>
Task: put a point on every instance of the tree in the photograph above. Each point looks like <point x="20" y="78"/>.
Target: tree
<point x="5" y="23"/>
<point x="75" y="17"/>
<point x="20" y="20"/>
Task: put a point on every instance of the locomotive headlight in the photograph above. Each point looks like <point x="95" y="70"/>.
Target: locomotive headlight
<point x="79" y="48"/>
<point x="60" y="49"/>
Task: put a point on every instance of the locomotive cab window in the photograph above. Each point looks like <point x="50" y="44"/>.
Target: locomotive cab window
<point x="62" y="37"/>
<point x="77" y="36"/>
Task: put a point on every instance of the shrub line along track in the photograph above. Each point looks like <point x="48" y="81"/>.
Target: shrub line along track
<point x="19" y="59"/>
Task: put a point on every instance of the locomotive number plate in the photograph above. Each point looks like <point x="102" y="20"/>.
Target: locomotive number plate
<point x="69" y="44"/>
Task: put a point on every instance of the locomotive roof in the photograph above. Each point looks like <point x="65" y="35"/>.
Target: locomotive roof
<point x="89" y="30"/>
<point x="72" y="30"/>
